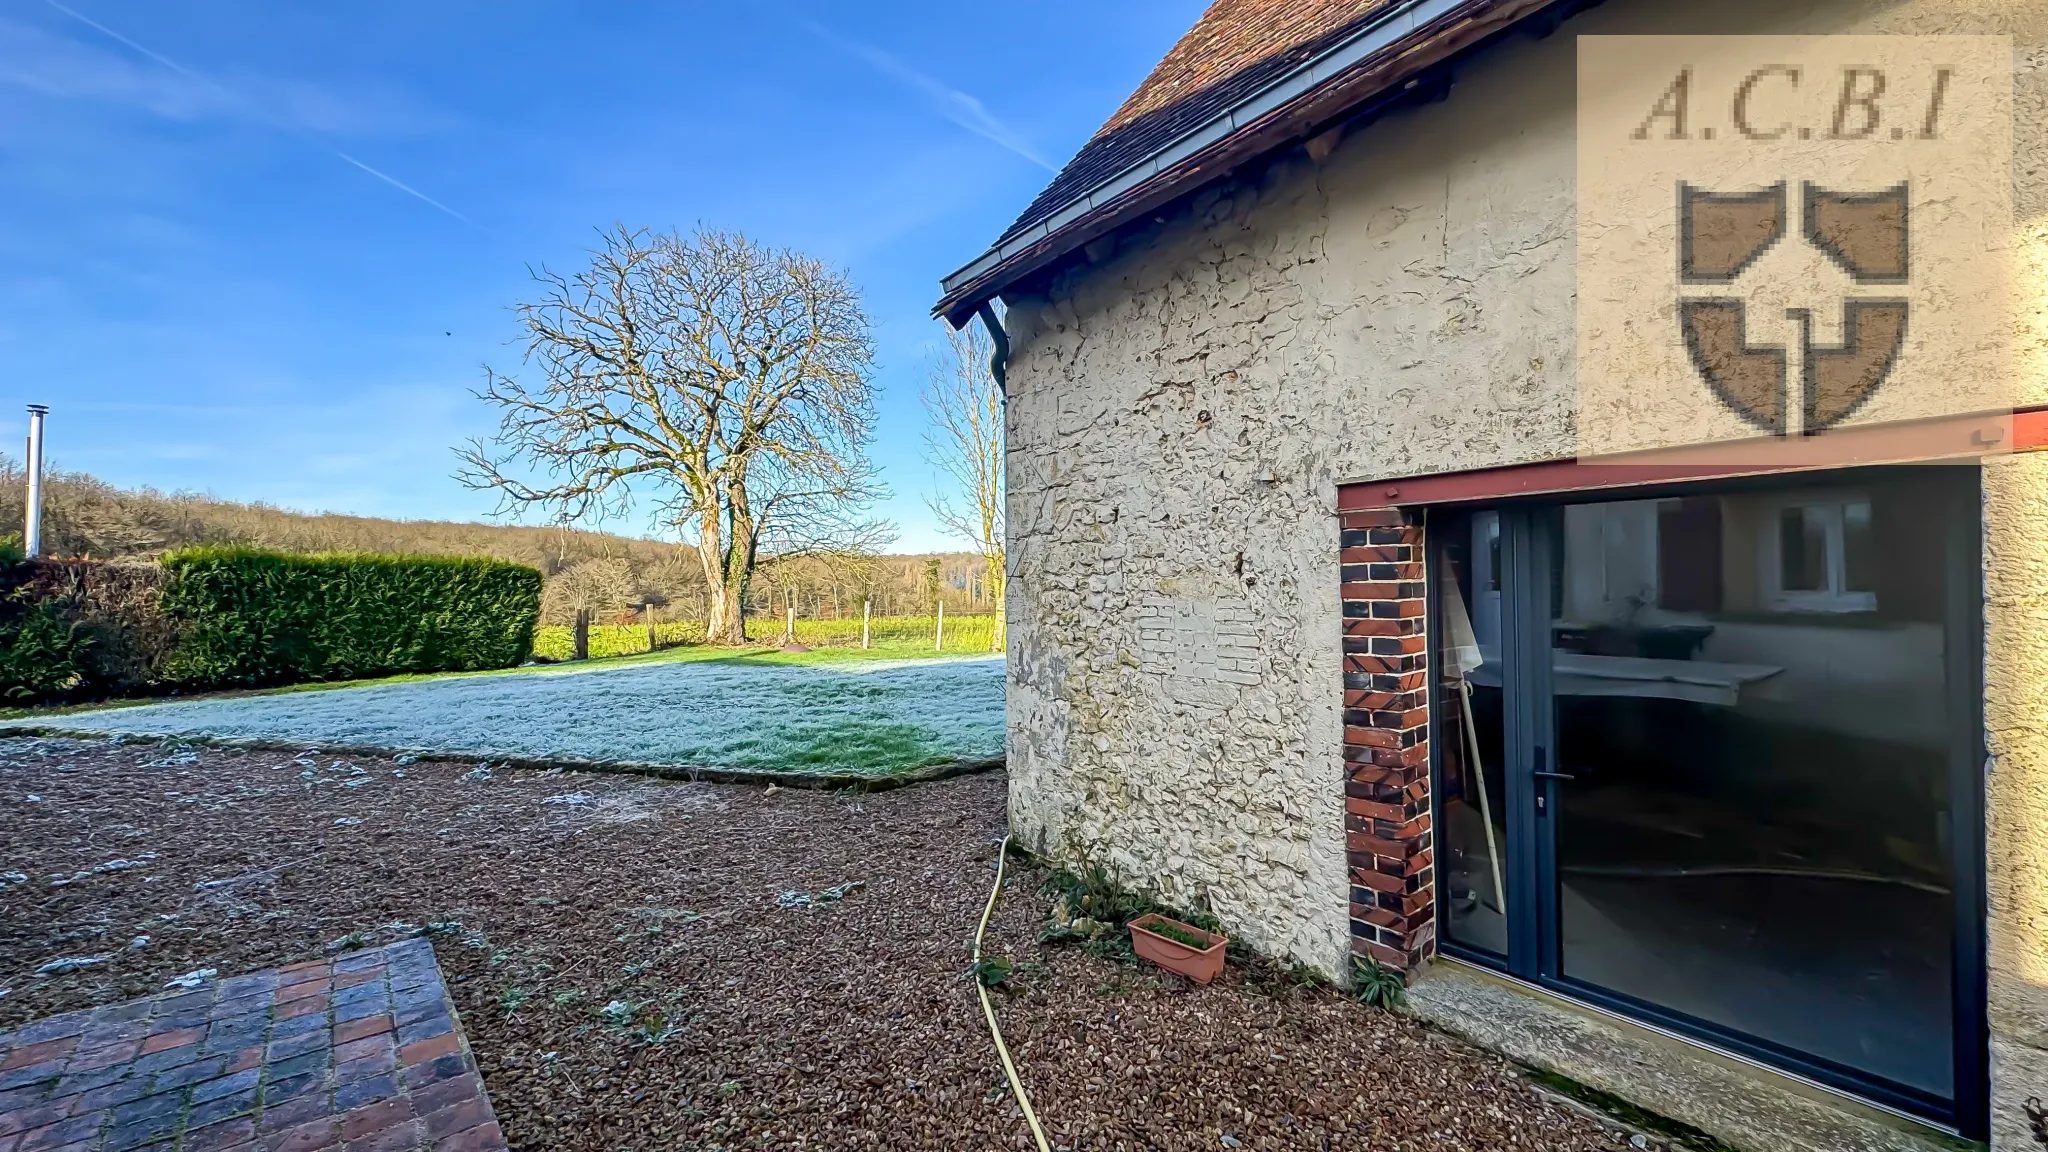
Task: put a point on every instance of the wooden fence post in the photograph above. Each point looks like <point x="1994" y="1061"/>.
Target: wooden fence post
<point x="582" y="634"/>
<point x="939" y="635"/>
<point x="864" y="623"/>
<point x="648" y="611"/>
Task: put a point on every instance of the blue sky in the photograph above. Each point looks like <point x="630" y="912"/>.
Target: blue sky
<point x="261" y="250"/>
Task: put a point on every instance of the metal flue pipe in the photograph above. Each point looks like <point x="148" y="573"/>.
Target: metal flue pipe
<point x="32" y="528"/>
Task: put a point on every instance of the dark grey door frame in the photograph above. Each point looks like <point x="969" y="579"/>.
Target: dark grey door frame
<point x="1528" y="538"/>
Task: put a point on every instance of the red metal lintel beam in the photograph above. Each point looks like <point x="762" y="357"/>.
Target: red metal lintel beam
<point x="1955" y="438"/>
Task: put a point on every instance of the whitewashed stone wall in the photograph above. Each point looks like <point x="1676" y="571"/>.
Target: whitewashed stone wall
<point x="1182" y="413"/>
<point x="1180" y="417"/>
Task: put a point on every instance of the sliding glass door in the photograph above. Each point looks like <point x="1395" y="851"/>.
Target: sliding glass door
<point x="1709" y="758"/>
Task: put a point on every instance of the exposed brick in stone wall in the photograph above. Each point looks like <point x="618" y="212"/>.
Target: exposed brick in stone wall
<point x="1389" y="847"/>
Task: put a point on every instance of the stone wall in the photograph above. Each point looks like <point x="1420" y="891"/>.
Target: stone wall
<point x="2016" y="787"/>
<point x="1183" y="410"/>
<point x="1179" y="418"/>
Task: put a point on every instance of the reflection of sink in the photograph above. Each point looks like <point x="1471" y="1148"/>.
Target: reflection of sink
<point x="1584" y="674"/>
<point x="1659" y="642"/>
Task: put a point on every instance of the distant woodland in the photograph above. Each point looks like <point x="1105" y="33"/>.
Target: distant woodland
<point x="618" y="577"/>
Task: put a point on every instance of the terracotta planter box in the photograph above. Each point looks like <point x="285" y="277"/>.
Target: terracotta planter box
<point x="1198" y="964"/>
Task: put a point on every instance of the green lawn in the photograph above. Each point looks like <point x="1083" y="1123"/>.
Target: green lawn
<point x="841" y="713"/>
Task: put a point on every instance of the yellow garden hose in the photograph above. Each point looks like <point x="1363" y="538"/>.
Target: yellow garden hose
<point x="989" y="1010"/>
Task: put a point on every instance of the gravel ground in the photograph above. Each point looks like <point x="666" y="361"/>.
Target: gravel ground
<point x="648" y="964"/>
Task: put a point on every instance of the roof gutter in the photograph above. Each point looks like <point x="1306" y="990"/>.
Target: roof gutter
<point x="1016" y="256"/>
<point x="999" y="340"/>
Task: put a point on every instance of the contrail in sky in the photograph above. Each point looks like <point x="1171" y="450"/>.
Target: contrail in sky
<point x="407" y="189"/>
<point x="236" y="97"/>
<point x="947" y="101"/>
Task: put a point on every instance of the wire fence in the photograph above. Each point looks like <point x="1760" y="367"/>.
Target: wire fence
<point x="963" y="634"/>
<point x="558" y="641"/>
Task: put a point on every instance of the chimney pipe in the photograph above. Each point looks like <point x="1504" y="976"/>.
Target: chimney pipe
<point x="32" y="530"/>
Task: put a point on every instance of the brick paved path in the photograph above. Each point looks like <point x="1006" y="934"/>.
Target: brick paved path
<point x="358" y="1053"/>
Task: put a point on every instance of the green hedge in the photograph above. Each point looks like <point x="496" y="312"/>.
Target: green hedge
<point x="77" y="629"/>
<point x="43" y="655"/>
<point x="249" y="616"/>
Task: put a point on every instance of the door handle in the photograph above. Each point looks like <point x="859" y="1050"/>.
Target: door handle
<point x="1539" y="767"/>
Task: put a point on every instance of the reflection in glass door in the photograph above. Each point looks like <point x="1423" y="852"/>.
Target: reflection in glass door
<point x="1722" y="745"/>
<point x="1472" y="773"/>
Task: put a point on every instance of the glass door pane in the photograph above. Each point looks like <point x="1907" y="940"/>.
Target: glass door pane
<point x="1472" y="781"/>
<point x="1752" y="753"/>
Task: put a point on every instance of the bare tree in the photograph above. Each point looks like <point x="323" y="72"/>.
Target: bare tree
<point x="966" y="444"/>
<point x="600" y="584"/>
<point x="726" y="381"/>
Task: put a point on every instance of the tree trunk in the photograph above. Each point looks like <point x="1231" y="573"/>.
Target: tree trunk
<point x="737" y="573"/>
<point x="998" y="588"/>
<point x="720" y="619"/>
<point x="728" y="624"/>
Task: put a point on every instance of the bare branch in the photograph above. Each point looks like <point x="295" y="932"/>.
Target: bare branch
<point x="965" y="442"/>
<point x="724" y="381"/>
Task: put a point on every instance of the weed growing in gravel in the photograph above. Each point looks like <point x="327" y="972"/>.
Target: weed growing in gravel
<point x="991" y="971"/>
<point x="1091" y="908"/>
<point x="831" y="895"/>
<point x="618" y="1013"/>
<point x="513" y="999"/>
<point x="567" y="999"/>
<point x="348" y="943"/>
<point x="1270" y="977"/>
<point x="660" y="1031"/>
<point x="1094" y="894"/>
<point x="1376" y="984"/>
<point x="1112" y="946"/>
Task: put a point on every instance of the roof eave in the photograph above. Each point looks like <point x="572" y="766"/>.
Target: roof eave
<point x="1408" y="38"/>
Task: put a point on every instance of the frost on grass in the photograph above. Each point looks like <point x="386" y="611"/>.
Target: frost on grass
<point x="877" y="719"/>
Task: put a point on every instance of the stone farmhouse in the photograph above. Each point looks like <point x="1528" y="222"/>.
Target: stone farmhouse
<point x="1717" y="784"/>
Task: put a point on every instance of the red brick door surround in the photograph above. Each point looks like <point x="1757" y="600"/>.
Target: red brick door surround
<point x="1388" y="843"/>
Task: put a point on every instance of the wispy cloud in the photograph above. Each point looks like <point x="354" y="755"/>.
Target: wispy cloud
<point x="190" y="94"/>
<point x="948" y="101"/>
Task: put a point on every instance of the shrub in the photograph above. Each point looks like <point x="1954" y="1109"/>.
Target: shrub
<point x="115" y="608"/>
<point x="43" y="655"/>
<point x="73" y="629"/>
<point x="249" y="616"/>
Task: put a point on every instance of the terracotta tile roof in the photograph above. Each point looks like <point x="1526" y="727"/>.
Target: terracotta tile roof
<point x="1236" y="48"/>
<point x="1250" y="77"/>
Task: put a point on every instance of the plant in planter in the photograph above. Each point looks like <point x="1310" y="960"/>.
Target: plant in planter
<point x="1179" y="947"/>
